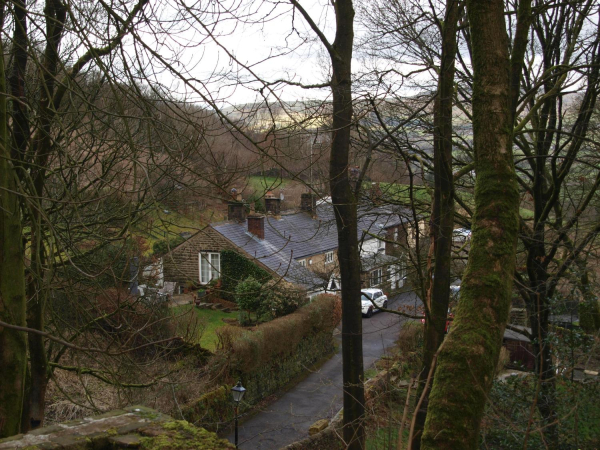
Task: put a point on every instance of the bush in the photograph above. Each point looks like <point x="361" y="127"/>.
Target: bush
<point x="131" y="323"/>
<point x="267" y="301"/>
<point x="249" y="298"/>
<point x="280" y="299"/>
<point x="248" y="294"/>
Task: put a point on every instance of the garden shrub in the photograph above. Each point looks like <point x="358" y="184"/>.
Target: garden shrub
<point x="248" y="296"/>
<point x="280" y="299"/>
<point x="267" y="301"/>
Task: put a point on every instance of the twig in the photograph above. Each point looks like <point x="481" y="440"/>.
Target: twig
<point x="423" y="395"/>
<point x="85" y="349"/>
<point x="405" y="413"/>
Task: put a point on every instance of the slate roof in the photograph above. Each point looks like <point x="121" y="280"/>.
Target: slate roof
<point x="513" y="335"/>
<point x="297" y="236"/>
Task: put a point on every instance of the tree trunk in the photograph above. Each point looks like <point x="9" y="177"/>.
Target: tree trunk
<point x="442" y="215"/>
<point x="345" y="207"/>
<point x="468" y="359"/>
<point x="13" y="344"/>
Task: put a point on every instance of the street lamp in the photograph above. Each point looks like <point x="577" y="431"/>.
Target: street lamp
<point x="238" y="392"/>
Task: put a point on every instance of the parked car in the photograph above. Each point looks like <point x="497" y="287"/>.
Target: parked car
<point x="461" y="235"/>
<point x="370" y="296"/>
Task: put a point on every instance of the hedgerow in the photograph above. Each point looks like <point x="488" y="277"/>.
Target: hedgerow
<point x="245" y="350"/>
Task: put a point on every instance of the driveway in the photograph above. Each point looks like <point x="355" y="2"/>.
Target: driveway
<point x="319" y="396"/>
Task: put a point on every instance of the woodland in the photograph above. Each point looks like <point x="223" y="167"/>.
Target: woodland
<point x="125" y="125"/>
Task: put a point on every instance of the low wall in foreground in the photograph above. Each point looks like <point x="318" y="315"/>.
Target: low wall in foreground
<point x="132" y="427"/>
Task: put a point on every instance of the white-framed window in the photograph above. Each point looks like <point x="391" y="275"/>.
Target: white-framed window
<point x="210" y="266"/>
<point x="380" y="245"/>
<point x="310" y="262"/>
<point x="328" y="257"/>
<point x="395" y="237"/>
<point x="376" y="277"/>
<point x="302" y="262"/>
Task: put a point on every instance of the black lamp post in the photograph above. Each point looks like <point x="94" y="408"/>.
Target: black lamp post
<point x="238" y="392"/>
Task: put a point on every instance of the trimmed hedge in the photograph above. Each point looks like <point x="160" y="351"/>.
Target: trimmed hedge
<point x="235" y="268"/>
<point x="247" y="350"/>
<point x="266" y="359"/>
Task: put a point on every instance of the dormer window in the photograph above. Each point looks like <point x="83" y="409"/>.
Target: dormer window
<point x="328" y="257"/>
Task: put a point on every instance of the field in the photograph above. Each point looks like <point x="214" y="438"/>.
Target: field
<point x="260" y="184"/>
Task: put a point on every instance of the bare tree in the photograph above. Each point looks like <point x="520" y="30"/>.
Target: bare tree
<point x="84" y="143"/>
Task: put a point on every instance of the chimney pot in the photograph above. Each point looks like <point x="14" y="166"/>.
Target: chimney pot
<point x="256" y="225"/>
<point x="236" y="211"/>
<point x="273" y="205"/>
<point x="308" y="203"/>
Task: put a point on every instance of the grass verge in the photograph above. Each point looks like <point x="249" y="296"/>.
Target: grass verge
<point x="209" y="318"/>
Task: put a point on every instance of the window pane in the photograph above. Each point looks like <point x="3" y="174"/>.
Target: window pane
<point x="215" y="268"/>
<point x="204" y="269"/>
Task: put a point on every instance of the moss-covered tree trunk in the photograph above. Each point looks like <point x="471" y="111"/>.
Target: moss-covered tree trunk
<point x="13" y="344"/>
<point x="442" y="214"/>
<point x="468" y="358"/>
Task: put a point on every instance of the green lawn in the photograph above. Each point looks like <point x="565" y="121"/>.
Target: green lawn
<point x="260" y="184"/>
<point x="213" y="321"/>
<point x="401" y="192"/>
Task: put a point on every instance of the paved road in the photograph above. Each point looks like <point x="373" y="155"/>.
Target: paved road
<point x="319" y="396"/>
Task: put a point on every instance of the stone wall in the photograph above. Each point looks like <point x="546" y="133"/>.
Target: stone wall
<point x="181" y="264"/>
<point x="132" y="427"/>
<point x="330" y="437"/>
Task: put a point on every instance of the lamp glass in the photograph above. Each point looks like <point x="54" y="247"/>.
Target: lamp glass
<point x="238" y="392"/>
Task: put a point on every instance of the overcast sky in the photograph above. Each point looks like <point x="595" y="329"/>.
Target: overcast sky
<point x="220" y="53"/>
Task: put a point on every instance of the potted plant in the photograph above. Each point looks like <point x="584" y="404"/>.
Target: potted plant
<point x="200" y="296"/>
<point x="213" y="286"/>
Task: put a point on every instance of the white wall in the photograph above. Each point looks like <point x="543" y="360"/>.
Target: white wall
<point x="369" y="248"/>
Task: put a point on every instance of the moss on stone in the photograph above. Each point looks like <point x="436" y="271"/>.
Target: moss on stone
<point x="179" y="434"/>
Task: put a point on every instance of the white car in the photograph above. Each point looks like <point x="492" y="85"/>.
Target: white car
<point x="370" y="296"/>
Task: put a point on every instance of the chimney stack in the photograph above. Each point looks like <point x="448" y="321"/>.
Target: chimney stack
<point x="272" y="205"/>
<point x="256" y="225"/>
<point x="236" y="211"/>
<point x="308" y="203"/>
